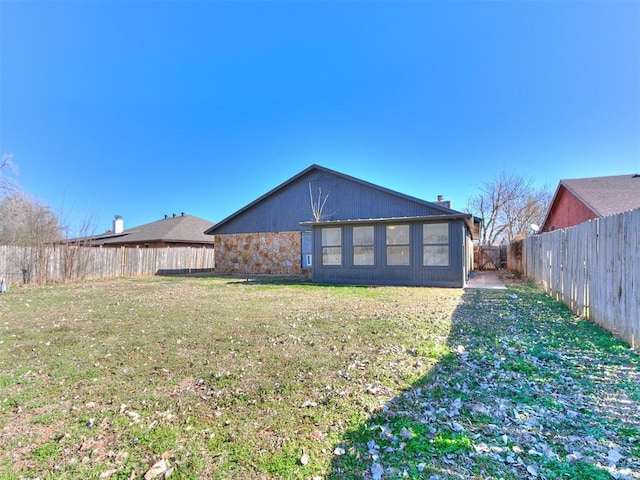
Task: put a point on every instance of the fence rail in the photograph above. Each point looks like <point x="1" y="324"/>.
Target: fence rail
<point x="593" y="267"/>
<point x="59" y="263"/>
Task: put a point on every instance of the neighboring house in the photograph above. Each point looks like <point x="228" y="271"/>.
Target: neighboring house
<point x="171" y="231"/>
<point x="340" y="229"/>
<point x="581" y="199"/>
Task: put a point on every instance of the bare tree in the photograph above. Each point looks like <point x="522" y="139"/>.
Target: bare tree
<point x="28" y="223"/>
<point x="7" y="185"/>
<point x="508" y="204"/>
<point x="317" y="205"/>
<point x="75" y="255"/>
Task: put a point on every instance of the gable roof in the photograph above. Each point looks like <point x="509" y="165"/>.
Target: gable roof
<point x="175" y="229"/>
<point x="605" y="195"/>
<point x="435" y="206"/>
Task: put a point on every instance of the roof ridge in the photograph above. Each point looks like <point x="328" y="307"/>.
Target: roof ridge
<point x="315" y="166"/>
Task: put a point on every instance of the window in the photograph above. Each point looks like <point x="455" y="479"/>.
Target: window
<point x="363" y="246"/>
<point x="398" y="247"/>
<point x="332" y="246"/>
<point x="435" y="248"/>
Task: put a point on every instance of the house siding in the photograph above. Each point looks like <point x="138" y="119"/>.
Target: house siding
<point x="567" y="211"/>
<point x="453" y="275"/>
<point x="265" y="253"/>
<point x="245" y="242"/>
<point x="345" y="199"/>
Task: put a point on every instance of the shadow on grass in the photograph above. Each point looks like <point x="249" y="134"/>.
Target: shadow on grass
<point x="527" y="390"/>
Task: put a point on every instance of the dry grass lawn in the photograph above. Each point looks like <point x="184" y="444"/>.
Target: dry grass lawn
<point x="225" y="378"/>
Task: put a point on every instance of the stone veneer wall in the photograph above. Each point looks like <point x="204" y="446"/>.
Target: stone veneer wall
<point x="259" y="253"/>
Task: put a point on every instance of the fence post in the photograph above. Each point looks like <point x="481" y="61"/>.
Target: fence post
<point x="123" y="261"/>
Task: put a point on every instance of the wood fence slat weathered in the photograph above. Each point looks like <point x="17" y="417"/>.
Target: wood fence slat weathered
<point x="60" y="263"/>
<point x="594" y="268"/>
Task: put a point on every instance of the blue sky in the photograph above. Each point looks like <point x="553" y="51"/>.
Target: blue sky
<point x="145" y="108"/>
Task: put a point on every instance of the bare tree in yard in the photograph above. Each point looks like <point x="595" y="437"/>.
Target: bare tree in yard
<point x="508" y="204"/>
<point x="27" y="222"/>
<point x="75" y="256"/>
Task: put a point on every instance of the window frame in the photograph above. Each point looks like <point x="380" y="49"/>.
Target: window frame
<point x="398" y="245"/>
<point x="325" y="247"/>
<point x="371" y="246"/>
<point x="436" y="244"/>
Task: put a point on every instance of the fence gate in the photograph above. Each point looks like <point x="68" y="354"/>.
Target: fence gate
<point x="490" y="257"/>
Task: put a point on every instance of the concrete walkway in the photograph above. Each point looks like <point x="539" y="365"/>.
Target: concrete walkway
<point x="488" y="280"/>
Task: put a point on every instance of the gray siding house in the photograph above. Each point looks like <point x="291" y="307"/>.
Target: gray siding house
<point x="339" y="229"/>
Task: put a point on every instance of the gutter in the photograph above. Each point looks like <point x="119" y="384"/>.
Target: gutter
<point x="467" y="218"/>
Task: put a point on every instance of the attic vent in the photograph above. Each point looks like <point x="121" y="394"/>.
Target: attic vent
<point x="635" y="175"/>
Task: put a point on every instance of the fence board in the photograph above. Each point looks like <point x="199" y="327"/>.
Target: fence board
<point x="60" y="263"/>
<point x="594" y="268"/>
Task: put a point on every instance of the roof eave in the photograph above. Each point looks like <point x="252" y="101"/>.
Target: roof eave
<point x="469" y="220"/>
<point x="159" y="240"/>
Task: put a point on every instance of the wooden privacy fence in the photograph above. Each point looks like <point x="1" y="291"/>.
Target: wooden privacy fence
<point x="593" y="267"/>
<point x="59" y="263"/>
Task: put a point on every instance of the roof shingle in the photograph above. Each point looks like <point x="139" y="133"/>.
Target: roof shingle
<point x="174" y="229"/>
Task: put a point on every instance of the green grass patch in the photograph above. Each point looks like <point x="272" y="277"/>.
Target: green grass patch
<point x="573" y="471"/>
<point x="47" y="451"/>
<point x="283" y="464"/>
<point x="522" y="365"/>
<point x="445" y="443"/>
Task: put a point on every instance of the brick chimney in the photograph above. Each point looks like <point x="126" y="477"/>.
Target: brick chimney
<point x="442" y="202"/>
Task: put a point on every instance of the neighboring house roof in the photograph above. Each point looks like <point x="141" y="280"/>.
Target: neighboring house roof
<point x="171" y="229"/>
<point x="606" y="195"/>
<point x="434" y="206"/>
<point x="601" y="195"/>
